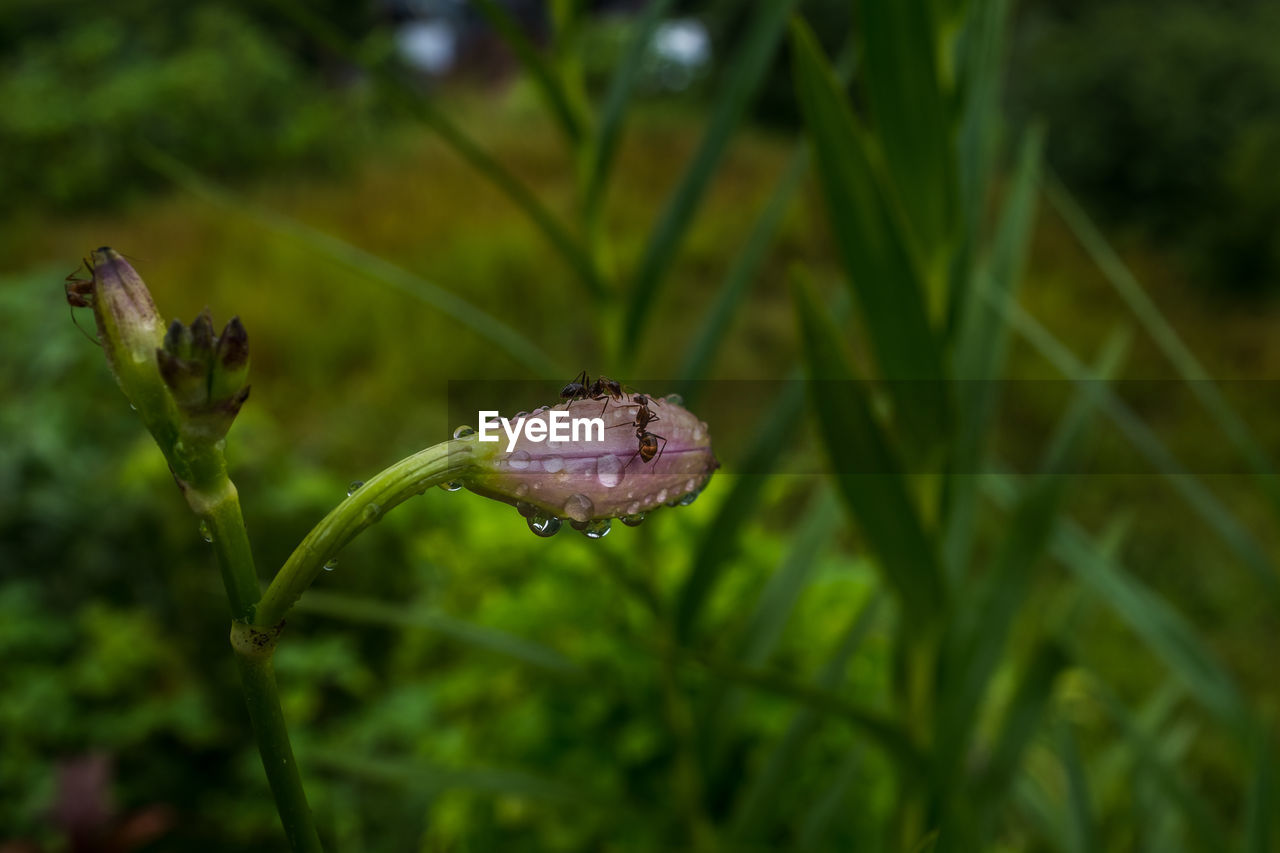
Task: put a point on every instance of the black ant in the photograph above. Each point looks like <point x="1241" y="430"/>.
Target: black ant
<point x="582" y="388"/>
<point x="80" y="295"/>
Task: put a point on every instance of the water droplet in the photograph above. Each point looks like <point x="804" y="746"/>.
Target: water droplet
<point x="633" y="519"/>
<point x="331" y="565"/>
<point x="579" y="507"/>
<point x="372" y="513"/>
<point x="609" y="471"/>
<point x="354" y="486"/>
<point x="674" y="399"/>
<point x="597" y="529"/>
<point x="132" y="407"/>
<point x="690" y="484"/>
<point x="522" y="489"/>
<point x="544" y="525"/>
<point x="451" y="486"/>
<point x="520" y="415"/>
<point x="689" y="498"/>
<point x="633" y="508"/>
<point x="464" y="431"/>
<point x="527" y="510"/>
<point x="552" y="464"/>
<point x="205" y="533"/>
<point x="518" y="460"/>
<point x="541" y="409"/>
<point x="661" y="497"/>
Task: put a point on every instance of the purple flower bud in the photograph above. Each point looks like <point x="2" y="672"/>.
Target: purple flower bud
<point x="588" y="461"/>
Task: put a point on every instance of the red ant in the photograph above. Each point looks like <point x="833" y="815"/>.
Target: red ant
<point x="648" y="441"/>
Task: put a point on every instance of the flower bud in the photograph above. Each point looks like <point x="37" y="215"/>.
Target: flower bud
<point x="206" y="374"/>
<point x="647" y="452"/>
<point x="129" y="328"/>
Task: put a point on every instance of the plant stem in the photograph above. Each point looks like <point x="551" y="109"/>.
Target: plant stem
<point x="258" y="678"/>
<point x="411" y="476"/>
<point x="202" y="475"/>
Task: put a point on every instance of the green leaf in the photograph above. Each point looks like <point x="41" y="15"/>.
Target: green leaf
<point x="478" y="636"/>
<point x="876" y="247"/>
<point x="866" y="468"/>
<point x="981" y="347"/>
<point x="910" y="114"/>
<point x="742" y="77"/>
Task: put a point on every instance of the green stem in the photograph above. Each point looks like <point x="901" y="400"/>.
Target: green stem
<point x="449" y="460"/>
<point x="202" y="474"/>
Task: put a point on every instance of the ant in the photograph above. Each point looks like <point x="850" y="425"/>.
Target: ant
<point x="80" y="295"/>
<point x="648" y="441"/>
<point x="582" y="388"/>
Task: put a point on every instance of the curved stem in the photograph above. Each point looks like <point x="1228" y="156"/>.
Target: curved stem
<point x="411" y="476"/>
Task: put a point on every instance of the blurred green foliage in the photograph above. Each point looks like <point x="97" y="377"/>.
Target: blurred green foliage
<point x="212" y="82"/>
<point x="457" y="683"/>
<point x="1166" y="115"/>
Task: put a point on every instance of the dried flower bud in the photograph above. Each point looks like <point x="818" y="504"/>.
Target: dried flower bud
<point x="632" y="464"/>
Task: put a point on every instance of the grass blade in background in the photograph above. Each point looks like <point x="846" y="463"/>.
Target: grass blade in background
<point x="883" y="271"/>
<point x="1081" y="836"/>
<point x="1259" y="813"/>
<point x="614" y="111"/>
<point x="351" y="609"/>
<point x="738" y="280"/>
<point x="544" y="77"/>
<point x="742" y="77"/>
<point x="817" y="821"/>
<point x="507" y="339"/>
<point x="1179" y="355"/>
<point x="909" y="111"/>
<point x="763" y="796"/>
<point x="981" y="346"/>
<point x="718" y="542"/>
<point x="421" y="108"/>
<point x="1142" y="438"/>
<point x="880" y="500"/>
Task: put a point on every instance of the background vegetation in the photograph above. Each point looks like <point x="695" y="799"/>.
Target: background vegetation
<point x="1088" y="665"/>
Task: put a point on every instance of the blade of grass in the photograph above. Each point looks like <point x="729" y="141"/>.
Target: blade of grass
<point x="544" y="77"/>
<point x="875" y="245"/>
<point x="1259" y="812"/>
<point x="1166" y="338"/>
<point x="760" y="636"/>
<point x="880" y="502"/>
<point x="1158" y="625"/>
<point x="720" y="538"/>
<point x="744" y="73"/>
<point x="912" y="121"/>
<point x="737" y="281"/>
<point x="403" y="94"/>
<point x="981" y="350"/>
<point x="507" y="339"/>
<point x="1081" y="836"/>
<point x="379" y="613"/>
<point x="614" y="111"/>
<point x="984" y="617"/>
<point x="764" y="795"/>
<point x="817" y="821"/>
<point x="1219" y="519"/>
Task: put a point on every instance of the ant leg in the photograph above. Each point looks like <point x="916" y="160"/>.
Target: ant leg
<point x="664" y="445"/>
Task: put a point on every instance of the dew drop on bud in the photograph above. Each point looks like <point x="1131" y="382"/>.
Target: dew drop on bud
<point x="519" y="460"/>
<point x="609" y="471"/>
<point x="633" y="520"/>
<point x="553" y="464"/>
<point x="674" y="399"/>
<point x="331" y="565"/>
<point x="579" y="507"/>
<point x="597" y="529"/>
<point x="451" y="486"/>
<point x="544" y="525"/>
<point x="688" y="498"/>
<point x="205" y="533"/>
<point x="464" y="431"/>
<point x="527" y="510"/>
<point x="354" y="486"/>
